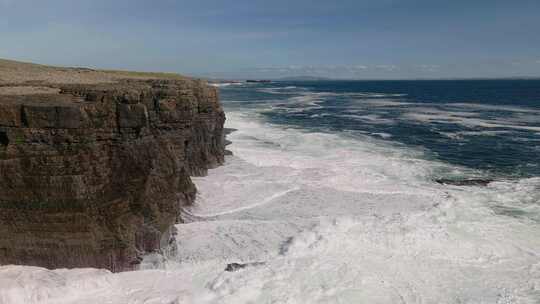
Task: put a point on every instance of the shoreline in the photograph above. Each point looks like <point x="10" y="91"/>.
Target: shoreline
<point x="332" y="226"/>
<point x="348" y="217"/>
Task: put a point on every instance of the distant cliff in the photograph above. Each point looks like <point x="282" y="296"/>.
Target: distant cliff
<point x="94" y="174"/>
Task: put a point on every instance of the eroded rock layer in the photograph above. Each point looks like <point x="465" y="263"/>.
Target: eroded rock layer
<point x="95" y="175"/>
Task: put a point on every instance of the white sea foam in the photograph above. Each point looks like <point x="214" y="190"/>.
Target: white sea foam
<point x="370" y="118"/>
<point x="467" y="121"/>
<point x="287" y="90"/>
<point x="371" y="95"/>
<point x="270" y="90"/>
<point x="281" y="90"/>
<point x="225" y="84"/>
<point x="465" y="114"/>
<point x="496" y="107"/>
<point x="319" y="115"/>
<point x="462" y="134"/>
<point x="382" y="134"/>
<point x="303" y="102"/>
<point x="332" y="219"/>
<point x="386" y="103"/>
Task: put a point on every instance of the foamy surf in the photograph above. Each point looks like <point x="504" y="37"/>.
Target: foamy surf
<point x="324" y="218"/>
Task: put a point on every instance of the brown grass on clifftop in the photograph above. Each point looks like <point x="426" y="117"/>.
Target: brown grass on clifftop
<point x="28" y="78"/>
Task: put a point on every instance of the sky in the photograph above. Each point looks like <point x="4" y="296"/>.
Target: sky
<point x="354" y="39"/>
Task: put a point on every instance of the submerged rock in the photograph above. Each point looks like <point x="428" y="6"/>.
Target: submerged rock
<point x="465" y="182"/>
<point x="227" y="131"/>
<point x="237" y="266"/>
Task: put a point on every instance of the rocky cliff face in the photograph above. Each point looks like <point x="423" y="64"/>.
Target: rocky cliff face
<point x="95" y="175"/>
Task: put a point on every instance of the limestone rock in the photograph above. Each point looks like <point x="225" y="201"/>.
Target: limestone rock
<point x="94" y="175"/>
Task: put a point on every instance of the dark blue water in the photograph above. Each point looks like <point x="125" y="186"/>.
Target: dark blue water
<point x="487" y="125"/>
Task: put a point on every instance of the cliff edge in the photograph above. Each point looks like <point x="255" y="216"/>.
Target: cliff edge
<point x="95" y="165"/>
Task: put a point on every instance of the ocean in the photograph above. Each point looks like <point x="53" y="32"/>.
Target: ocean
<point x="488" y="125"/>
<point x="333" y="186"/>
<point x="351" y="192"/>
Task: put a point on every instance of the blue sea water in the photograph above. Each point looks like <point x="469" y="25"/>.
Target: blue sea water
<point x="490" y="126"/>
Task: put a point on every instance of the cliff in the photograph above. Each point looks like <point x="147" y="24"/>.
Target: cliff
<point x="94" y="167"/>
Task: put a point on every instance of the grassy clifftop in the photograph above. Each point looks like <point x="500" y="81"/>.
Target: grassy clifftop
<point x="15" y="72"/>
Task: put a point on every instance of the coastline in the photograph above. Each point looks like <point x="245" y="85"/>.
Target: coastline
<point x="386" y="221"/>
<point x="95" y="165"/>
<point x="300" y="213"/>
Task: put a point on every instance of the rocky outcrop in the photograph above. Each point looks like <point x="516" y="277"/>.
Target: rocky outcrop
<point x="95" y="175"/>
<point x="465" y="182"/>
